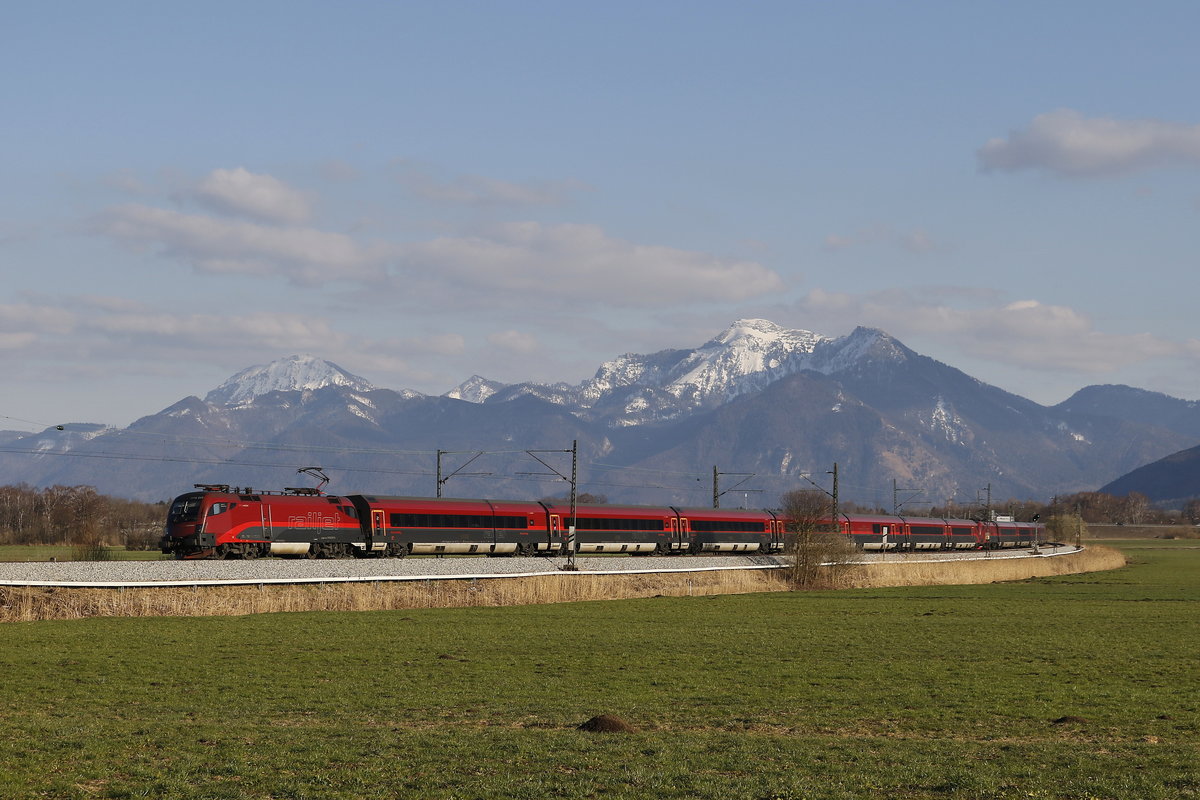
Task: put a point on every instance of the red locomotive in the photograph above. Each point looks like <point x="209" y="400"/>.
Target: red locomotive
<point x="219" y="521"/>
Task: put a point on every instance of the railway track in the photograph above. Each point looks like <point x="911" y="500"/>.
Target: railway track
<point x="118" y="574"/>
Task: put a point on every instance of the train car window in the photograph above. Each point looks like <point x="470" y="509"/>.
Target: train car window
<point x="618" y="524"/>
<point x="450" y="521"/>
<point x="727" y="526"/>
<point x="184" y="509"/>
<point x="218" y="508"/>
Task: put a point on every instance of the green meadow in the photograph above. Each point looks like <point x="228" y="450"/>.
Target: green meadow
<point x="66" y="552"/>
<point x="1084" y="686"/>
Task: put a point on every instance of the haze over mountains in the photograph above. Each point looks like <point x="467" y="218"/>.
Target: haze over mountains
<point x="770" y="408"/>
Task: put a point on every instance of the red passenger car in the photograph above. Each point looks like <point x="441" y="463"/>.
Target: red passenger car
<point x="398" y="526"/>
<point x="716" y="530"/>
<point x="619" y="529"/>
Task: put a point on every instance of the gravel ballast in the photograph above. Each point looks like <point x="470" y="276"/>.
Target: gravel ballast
<point x="275" y="570"/>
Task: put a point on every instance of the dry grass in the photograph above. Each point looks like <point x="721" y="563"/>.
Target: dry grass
<point x="23" y="604"/>
<point x="27" y="604"/>
<point x="1095" y="558"/>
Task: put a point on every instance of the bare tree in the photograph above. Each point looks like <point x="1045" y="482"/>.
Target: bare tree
<point x="817" y="547"/>
<point x="1191" y="511"/>
<point x="1066" y="526"/>
<point x="53" y="507"/>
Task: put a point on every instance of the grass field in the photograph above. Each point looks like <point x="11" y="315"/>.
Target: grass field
<point x="912" y="693"/>
<point x="66" y="552"/>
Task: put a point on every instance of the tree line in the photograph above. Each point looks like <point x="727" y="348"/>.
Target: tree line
<point x="77" y="515"/>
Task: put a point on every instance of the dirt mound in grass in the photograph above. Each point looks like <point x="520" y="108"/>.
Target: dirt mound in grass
<point x="1070" y="719"/>
<point x="606" y="723"/>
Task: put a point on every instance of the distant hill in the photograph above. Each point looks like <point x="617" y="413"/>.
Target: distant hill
<point x="1168" y="481"/>
<point x="1135" y="405"/>
<point x="773" y="405"/>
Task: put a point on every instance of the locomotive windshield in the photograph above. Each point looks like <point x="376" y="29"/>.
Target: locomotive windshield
<point x="185" y="508"/>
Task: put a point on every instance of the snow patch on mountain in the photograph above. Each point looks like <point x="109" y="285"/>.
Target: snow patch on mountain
<point x="294" y="373"/>
<point x="359" y="411"/>
<point x="1074" y="435"/>
<point x="945" y="420"/>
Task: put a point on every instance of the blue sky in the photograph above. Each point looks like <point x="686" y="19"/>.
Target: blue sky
<point x="420" y="192"/>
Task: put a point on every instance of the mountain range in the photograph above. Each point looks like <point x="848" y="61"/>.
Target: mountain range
<point x="765" y="408"/>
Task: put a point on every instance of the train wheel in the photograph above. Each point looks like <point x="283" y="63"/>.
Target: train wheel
<point x="662" y="549"/>
<point x="221" y="551"/>
<point x="315" y="550"/>
<point x="249" y="552"/>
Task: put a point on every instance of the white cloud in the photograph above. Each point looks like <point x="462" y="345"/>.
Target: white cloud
<point x="582" y="264"/>
<point x="303" y="255"/>
<point x="514" y="341"/>
<point x="259" y="196"/>
<point x="16" y="341"/>
<point x="24" y="320"/>
<point x="439" y="344"/>
<point x="1026" y="334"/>
<point x="1067" y="143"/>
<point x="565" y="262"/>
<point x="263" y="329"/>
<point x="128" y="182"/>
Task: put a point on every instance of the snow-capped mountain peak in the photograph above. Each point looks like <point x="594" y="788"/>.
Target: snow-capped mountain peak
<point x="862" y="346"/>
<point x="747" y="332"/>
<point x="289" y="374"/>
<point x="745" y="357"/>
<point x="475" y="389"/>
<point x="745" y="348"/>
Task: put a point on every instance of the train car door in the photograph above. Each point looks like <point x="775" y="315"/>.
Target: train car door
<point x="555" y="533"/>
<point x="775" y="539"/>
<point x="684" y="537"/>
<point x="378" y="527"/>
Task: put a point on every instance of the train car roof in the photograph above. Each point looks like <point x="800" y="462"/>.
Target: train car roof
<point x="730" y="513"/>
<point x="889" y="518"/>
<point x="612" y="510"/>
<point x="446" y="503"/>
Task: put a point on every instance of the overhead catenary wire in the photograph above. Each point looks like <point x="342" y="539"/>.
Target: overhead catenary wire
<point x="370" y="470"/>
<point x="691" y="477"/>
